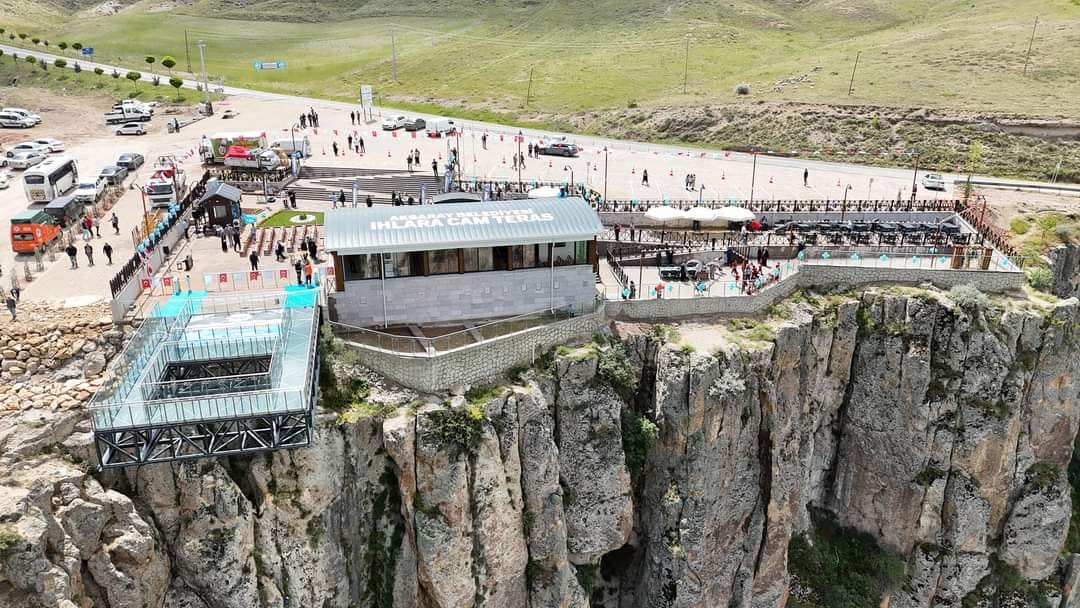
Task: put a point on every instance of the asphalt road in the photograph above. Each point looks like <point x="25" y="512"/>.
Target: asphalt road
<point x="764" y="161"/>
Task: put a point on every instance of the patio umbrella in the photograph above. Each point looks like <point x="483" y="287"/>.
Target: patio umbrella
<point x="734" y="214"/>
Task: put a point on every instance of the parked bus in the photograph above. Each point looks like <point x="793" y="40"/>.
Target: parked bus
<point x="65" y="210"/>
<point x="32" y="229"/>
<point x="50" y="179"/>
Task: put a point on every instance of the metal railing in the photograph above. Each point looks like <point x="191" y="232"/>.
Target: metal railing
<point x="789" y="205"/>
<point x="424" y="346"/>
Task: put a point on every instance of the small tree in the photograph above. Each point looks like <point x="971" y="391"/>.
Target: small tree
<point x="176" y="83"/>
<point x="134" y="78"/>
<point x="115" y="74"/>
<point x="45" y="42"/>
<point x="42" y="63"/>
<point x="30" y="59"/>
<point x="150" y="59"/>
<point x="63" y="45"/>
<point x="169" y="62"/>
<point x="60" y="63"/>
<point x="36" y="40"/>
<point x="76" y="46"/>
<point x="2" y="30"/>
<point x="22" y="36"/>
<point x="11" y="36"/>
<point x="99" y="71"/>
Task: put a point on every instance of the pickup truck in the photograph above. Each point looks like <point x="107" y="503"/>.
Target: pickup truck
<point x="122" y="115"/>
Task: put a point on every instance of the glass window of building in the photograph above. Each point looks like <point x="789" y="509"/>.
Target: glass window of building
<point x="524" y="256"/>
<point x="581" y="256"/>
<point x="478" y="260"/>
<point x="359" y="267"/>
<point x="443" y="261"/>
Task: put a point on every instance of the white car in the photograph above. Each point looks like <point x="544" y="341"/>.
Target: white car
<point x="11" y="120"/>
<point x="24" y="113"/>
<point x="933" y="181"/>
<point x="90" y="190"/>
<point x="26" y="146"/>
<point x="131" y="128"/>
<point x="54" y="145"/>
<point x="391" y="123"/>
<point x="25" y="160"/>
<point x="4" y="181"/>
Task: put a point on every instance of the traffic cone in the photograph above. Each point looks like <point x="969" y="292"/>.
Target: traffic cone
<point x="722" y="176"/>
<point x="549" y="164"/>
<point x="770" y="179"/>
<point x="632" y="171"/>
<point x="504" y="160"/>
<point x="671" y="173"/>
<point x="324" y="151"/>
<point x="387" y="154"/>
<point x="837" y="182"/>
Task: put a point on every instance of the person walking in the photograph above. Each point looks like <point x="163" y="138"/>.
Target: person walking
<point x="115" y="223"/>
<point x="352" y="120"/>
<point x="513" y="161"/>
<point x="435" y="167"/>
<point x="360" y="141"/>
<point x="416" y="157"/>
<point x="254" y="259"/>
<point x="107" y="250"/>
<point x="97" y="226"/>
<point x="176" y="125"/>
<point x="224" y="241"/>
<point x="71" y="253"/>
<point x="341" y="198"/>
<point x="308" y="271"/>
<point x="644" y="177"/>
<point x="333" y="200"/>
<point x="349" y="139"/>
<point x="279" y="251"/>
<point x="618" y="228"/>
<point x="368" y="202"/>
<point x="483" y="141"/>
<point x="184" y="225"/>
<point x="9" y="300"/>
<point x="334" y="146"/>
<point x="88" y="249"/>
<point x="292" y="199"/>
<point x="299" y="267"/>
<point x="313" y="249"/>
<point x="303" y="121"/>
<point x="633" y="290"/>
<point x="408" y="162"/>
<point x="236" y="239"/>
<point x="805" y="177"/>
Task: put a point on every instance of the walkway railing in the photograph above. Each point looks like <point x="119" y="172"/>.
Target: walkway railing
<point x="790" y="205"/>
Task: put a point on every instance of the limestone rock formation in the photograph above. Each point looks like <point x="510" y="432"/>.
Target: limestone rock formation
<point x="939" y="426"/>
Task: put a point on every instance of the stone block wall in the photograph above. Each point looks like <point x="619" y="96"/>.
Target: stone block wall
<point x="482" y="295"/>
<point x="474" y="364"/>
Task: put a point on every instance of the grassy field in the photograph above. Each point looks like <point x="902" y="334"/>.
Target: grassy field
<point x="616" y="53"/>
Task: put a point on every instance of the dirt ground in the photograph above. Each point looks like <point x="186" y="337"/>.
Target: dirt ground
<point x="66" y="116"/>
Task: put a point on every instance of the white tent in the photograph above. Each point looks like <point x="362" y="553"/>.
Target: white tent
<point x="544" y="192"/>
<point x="734" y="214"/>
<point x="665" y="214"/>
<point x="701" y="214"/>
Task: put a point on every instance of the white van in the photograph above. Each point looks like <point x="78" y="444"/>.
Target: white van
<point x="24" y="113"/>
<point x="11" y="120"/>
<point x="286" y="144"/>
<point x="441" y="126"/>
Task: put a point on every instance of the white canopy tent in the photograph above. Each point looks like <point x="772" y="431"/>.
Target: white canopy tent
<point x="734" y="214"/>
<point x="544" y="192"/>
<point x="665" y="214"/>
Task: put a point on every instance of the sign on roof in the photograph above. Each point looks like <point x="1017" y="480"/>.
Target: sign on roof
<point x="486" y="224"/>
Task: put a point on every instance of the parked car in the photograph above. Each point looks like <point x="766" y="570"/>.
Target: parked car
<point x="54" y="145"/>
<point x="26" y="146"/>
<point x="131" y="128"/>
<point x="11" y="120"/>
<point x="391" y="123"/>
<point x="933" y="181"/>
<point x="91" y="190"/>
<point x="4" y="183"/>
<point x="25" y="160"/>
<point x="441" y="126"/>
<point x="130" y="161"/>
<point x="230" y="113"/>
<point x="415" y="124"/>
<point x="559" y="148"/>
<point x="114" y="176"/>
<point x="24" y="113"/>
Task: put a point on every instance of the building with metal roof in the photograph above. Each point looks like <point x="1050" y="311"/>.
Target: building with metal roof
<point x="435" y="264"/>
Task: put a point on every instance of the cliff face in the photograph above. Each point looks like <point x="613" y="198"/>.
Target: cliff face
<point x="646" y="474"/>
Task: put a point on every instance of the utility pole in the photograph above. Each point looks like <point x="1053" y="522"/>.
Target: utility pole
<point x="605" y="173"/>
<point x="851" y="84"/>
<point x="393" y="54"/>
<point x="528" y="92"/>
<point x="206" y="78"/>
<point x="1030" y="42"/>
<point x="914" y="175"/>
<point x="187" y="51"/>
<point x="686" y="65"/>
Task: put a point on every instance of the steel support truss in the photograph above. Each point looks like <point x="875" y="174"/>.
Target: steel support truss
<point x="185" y="441"/>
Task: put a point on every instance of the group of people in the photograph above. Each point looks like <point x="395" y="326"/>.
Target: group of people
<point x="356" y="117"/>
<point x="309" y="119"/>
<point x="690" y="182"/>
<point x="230" y="235"/>
<point x="88" y="251"/>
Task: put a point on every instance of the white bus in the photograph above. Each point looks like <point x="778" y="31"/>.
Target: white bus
<point x="50" y="179"/>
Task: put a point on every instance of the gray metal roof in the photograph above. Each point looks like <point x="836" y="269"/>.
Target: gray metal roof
<point x="488" y="224"/>
<point x="221" y="189"/>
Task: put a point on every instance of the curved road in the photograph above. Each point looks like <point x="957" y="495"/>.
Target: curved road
<point x="765" y="161"/>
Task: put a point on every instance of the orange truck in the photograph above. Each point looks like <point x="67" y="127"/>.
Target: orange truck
<point x="31" y="230"/>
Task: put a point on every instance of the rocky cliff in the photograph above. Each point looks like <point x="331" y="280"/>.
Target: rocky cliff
<point x="648" y="468"/>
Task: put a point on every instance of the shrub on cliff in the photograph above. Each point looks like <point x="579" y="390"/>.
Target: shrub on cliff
<point x="639" y="435"/>
<point x="614" y="368"/>
<point x="845" y="568"/>
<point x="459" y="429"/>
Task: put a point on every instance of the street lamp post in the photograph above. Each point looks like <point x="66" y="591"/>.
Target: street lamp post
<point x="701" y="193"/>
<point x="145" y="215"/>
<point x="520" y="137"/>
<point x="605" y="173"/>
<point x="753" y="176"/>
<point x="843" y="205"/>
<point x="571" y="170"/>
<point x="914" y="175"/>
